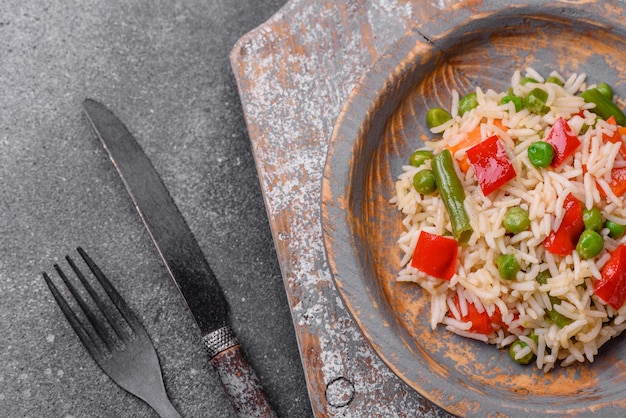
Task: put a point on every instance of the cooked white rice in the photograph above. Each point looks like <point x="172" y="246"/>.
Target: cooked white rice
<point x="523" y="302"/>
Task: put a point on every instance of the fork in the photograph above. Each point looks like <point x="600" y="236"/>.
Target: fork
<point x="124" y="352"/>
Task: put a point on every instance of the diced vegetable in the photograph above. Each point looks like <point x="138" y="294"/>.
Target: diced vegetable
<point x="618" y="181"/>
<point x="554" y="80"/>
<point x="563" y="140"/>
<point x="468" y="103"/>
<point x="556" y="317"/>
<point x="471" y="138"/>
<point x="527" y="80"/>
<point x="540" y="154"/>
<point x="616" y="138"/>
<point x="605" y="89"/>
<point x="491" y="164"/>
<point x="437" y="116"/>
<point x="507" y="266"/>
<point x="435" y="255"/>
<point x="542" y="277"/>
<point x="563" y="241"/>
<point x="482" y="323"/>
<point x="452" y="193"/>
<point x="419" y="157"/>
<point x="616" y="230"/>
<point x="535" y="101"/>
<point x="511" y="97"/>
<point x="611" y="288"/>
<point x="515" y="348"/>
<point x="424" y="182"/>
<point x="590" y="244"/>
<point x="516" y="220"/>
<point x="592" y="218"/>
<point x="605" y="108"/>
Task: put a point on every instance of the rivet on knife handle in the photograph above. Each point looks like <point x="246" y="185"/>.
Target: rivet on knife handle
<point x="183" y="258"/>
<point x="238" y="378"/>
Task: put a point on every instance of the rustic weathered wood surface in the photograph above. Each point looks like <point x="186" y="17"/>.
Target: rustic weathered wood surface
<point x="294" y="74"/>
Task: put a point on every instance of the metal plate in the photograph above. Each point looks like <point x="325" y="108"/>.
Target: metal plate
<point x="381" y="124"/>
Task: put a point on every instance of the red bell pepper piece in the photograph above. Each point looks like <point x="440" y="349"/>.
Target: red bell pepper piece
<point x="563" y="141"/>
<point x="482" y="323"/>
<point x="616" y="137"/>
<point x="563" y="241"/>
<point x="611" y="288"/>
<point x="435" y="255"/>
<point x="491" y="164"/>
<point x="618" y="175"/>
<point x="618" y="181"/>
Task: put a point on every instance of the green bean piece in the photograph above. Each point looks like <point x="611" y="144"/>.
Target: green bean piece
<point x="535" y="101"/>
<point x="555" y="317"/>
<point x="515" y="348"/>
<point x="605" y="108"/>
<point x="590" y="244"/>
<point x="437" y="116"/>
<point x="516" y="220"/>
<point x="616" y="231"/>
<point x="540" y="154"/>
<point x="527" y="80"/>
<point x="419" y="157"/>
<point x="468" y="103"/>
<point x="542" y="277"/>
<point x="593" y="219"/>
<point x="507" y="266"/>
<point x="605" y="89"/>
<point x="554" y="80"/>
<point x="452" y="193"/>
<point x="517" y="101"/>
<point x="424" y="182"/>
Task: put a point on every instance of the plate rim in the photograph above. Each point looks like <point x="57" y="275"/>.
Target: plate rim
<point x="375" y="83"/>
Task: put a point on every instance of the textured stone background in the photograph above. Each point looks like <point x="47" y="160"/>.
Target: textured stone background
<point x="163" y="67"/>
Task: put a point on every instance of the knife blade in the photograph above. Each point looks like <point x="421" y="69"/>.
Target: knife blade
<point x="183" y="259"/>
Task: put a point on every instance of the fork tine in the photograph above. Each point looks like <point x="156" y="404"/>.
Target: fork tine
<point x="106" y="311"/>
<point x="117" y="300"/>
<point x="71" y="317"/>
<point x="95" y="323"/>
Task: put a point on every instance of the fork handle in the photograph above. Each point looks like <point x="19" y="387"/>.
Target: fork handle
<point x="238" y="379"/>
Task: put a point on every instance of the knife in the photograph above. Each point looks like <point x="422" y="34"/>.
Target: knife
<point x="184" y="260"/>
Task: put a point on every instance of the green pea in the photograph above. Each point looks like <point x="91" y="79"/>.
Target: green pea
<point x="535" y="101"/>
<point x="507" y="266"/>
<point x="555" y="317"/>
<point x="527" y="80"/>
<point x="515" y="348"/>
<point x="590" y="244"/>
<point x="593" y="219"/>
<point x="554" y="80"/>
<point x="468" y="103"/>
<point x="540" y="154"/>
<point x="605" y="89"/>
<point x="516" y="220"/>
<point x="424" y="182"/>
<point x="542" y="277"/>
<point x="616" y="231"/>
<point x="533" y="336"/>
<point x="437" y="116"/>
<point x="558" y="319"/>
<point x="517" y="101"/>
<point x="419" y="157"/>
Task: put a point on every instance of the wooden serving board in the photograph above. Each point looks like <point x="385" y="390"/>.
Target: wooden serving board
<point x="294" y="74"/>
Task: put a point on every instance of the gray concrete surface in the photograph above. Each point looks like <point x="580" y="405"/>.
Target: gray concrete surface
<point x="163" y="67"/>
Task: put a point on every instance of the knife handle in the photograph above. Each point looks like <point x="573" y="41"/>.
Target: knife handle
<point x="238" y="379"/>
